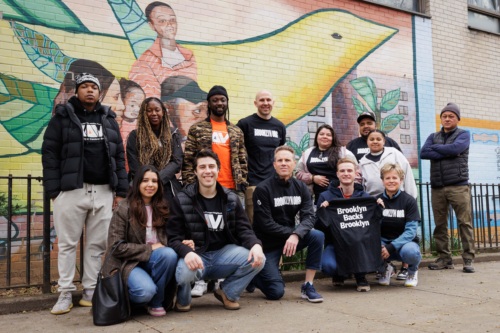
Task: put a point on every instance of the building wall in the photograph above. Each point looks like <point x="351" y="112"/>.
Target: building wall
<point x="466" y="71"/>
<point x="306" y="52"/>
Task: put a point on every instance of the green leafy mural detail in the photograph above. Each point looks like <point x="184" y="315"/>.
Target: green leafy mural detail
<point x="301" y="146"/>
<point x="43" y="52"/>
<point x="60" y="17"/>
<point x="27" y="126"/>
<point x="134" y="25"/>
<point x="367" y="89"/>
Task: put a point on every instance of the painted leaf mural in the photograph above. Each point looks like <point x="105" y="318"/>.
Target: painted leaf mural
<point x="390" y="122"/>
<point x="134" y="24"/>
<point x="29" y="12"/>
<point x="367" y="90"/>
<point x="390" y="100"/>
<point x="27" y="126"/>
<point x="43" y="52"/>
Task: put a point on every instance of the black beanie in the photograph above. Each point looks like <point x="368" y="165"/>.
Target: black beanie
<point x="86" y="77"/>
<point x="452" y="107"/>
<point x="217" y="90"/>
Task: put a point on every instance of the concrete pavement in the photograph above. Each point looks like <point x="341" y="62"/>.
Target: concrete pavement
<point x="444" y="301"/>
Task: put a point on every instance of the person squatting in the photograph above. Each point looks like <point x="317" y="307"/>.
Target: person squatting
<point x="229" y="207"/>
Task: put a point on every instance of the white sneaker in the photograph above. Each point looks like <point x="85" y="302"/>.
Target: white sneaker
<point x="217" y="284"/>
<point x="64" y="303"/>
<point x="200" y="288"/>
<point x="385" y="280"/>
<point x="412" y="280"/>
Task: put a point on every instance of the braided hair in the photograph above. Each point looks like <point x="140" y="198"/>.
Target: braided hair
<point x="152" y="149"/>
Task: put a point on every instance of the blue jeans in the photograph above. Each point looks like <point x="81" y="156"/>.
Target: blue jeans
<point x="229" y="263"/>
<point x="269" y="280"/>
<point x="147" y="281"/>
<point x="329" y="264"/>
<point x="410" y="254"/>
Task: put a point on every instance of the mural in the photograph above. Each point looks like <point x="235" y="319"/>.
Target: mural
<point x="319" y="61"/>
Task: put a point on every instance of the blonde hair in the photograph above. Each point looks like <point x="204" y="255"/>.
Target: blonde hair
<point x="347" y="160"/>
<point x="388" y="167"/>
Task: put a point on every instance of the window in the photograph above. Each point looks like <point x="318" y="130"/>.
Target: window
<point x="380" y="93"/>
<point x="403" y="109"/>
<point x="405" y="139"/>
<point x="312" y="127"/>
<point x="319" y="112"/>
<point x="403" y="96"/>
<point x="484" y="15"/>
<point x="416" y="6"/>
<point x="404" y="124"/>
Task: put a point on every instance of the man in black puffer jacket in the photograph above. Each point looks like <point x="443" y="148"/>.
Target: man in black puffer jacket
<point x="225" y="245"/>
<point x="84" y="174"/>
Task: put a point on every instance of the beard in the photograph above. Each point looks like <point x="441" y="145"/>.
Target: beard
<point x="218" y="112"/>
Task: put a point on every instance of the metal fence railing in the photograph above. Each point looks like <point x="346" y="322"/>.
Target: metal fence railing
<point x="28" y="243"/>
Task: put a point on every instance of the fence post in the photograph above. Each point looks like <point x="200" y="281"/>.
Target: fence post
<point x="46" y="244"/>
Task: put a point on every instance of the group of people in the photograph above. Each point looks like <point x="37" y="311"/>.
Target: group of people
<point x="229" y="207"/>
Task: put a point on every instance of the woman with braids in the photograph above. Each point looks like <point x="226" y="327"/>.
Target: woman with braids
<point x="148" y="265"/>
<point x="317" y="166"/>
<point x="154" y="143"/>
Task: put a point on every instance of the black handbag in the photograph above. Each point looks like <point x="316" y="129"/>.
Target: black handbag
<point x="110" y="303"/>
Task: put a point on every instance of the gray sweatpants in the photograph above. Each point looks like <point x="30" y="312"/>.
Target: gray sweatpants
<point x="89" y="207"/>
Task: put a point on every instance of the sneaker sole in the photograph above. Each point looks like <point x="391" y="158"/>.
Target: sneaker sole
<point x="401" y="277"/>
<point x="468" y="270"/>
<point x="363" y="289"/>
<point x="85" y="303"/>
<point x="384" y="283"/>
<point x="312" y="300"/>
<point x="62" y="311"/>
<point x="439" y="268"/>
<point x="410" y="286"/>
<point x="186" y="308"/>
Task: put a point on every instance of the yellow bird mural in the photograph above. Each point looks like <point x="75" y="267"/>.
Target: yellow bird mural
<point x="300" y="63"/>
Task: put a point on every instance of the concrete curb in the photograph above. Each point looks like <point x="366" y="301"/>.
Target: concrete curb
<point x="16" y="304"/>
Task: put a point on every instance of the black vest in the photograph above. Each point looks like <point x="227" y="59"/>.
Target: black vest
<point x="451" y="170"/>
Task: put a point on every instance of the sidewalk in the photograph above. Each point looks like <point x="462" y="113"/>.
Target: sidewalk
<point x="444" y="301"/>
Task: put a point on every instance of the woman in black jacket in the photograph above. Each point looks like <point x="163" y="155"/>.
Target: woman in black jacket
<point x="154" y="143"/>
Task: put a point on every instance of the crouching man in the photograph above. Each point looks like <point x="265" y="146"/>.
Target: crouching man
<point x="225" y="245"/>
<point x="277" y="200"/>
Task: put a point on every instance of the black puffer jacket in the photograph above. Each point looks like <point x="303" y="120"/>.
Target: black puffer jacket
<point x="188" y="222"/>
<point x="62" y="151"/>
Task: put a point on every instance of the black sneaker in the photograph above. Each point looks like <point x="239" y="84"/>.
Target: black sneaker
<point x="441" y="263"/>
<point x="362" y="284"/>
<point x="250" y="288"/>
<point x="403" y="274"/>
<point x="337" y="281"/>
<point x="468" y="268"/>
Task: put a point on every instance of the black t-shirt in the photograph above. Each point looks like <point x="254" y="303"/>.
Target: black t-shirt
<point x="212" y="209"/>
<point x="359" y="147"/>
<point x="95" y="156"/>
<point x="398" y="210"/>
<point x="262" y="137"/>
<point x="355" y="226"/>
<point x="317" y="164"/>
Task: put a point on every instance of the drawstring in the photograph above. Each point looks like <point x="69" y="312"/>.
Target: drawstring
<point x="92" y="193"/>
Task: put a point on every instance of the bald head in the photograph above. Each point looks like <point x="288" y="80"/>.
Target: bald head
<point x="264" y="103"/>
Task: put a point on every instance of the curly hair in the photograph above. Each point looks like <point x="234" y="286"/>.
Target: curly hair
<point x="151" y="149"/>
<point x="138" y="214"/>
